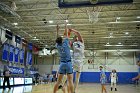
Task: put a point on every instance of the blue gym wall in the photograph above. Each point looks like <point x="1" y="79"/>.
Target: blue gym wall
<point x="93" y="77"/>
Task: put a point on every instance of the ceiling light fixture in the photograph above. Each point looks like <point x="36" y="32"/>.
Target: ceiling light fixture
<point x="15" y="24"/>
<point x="67" y="21"/>
<point x="126" y="33"/>
<point x="119" y="43"/>
<point x="136" y="21"/>
<point x="113" y="45"/>
<point x="69" y="24"/>
<point x="107" y="43"/>
<point x="50" y="21"/>
<point x="118" y="18"/>
<point x="138" y="16"/>
<point x="36" y="39"/>
<point x="110" y="36"/>
<point x="116" y="22"/>
<point x="52" y="25"/>
<point x="111" y="33"/>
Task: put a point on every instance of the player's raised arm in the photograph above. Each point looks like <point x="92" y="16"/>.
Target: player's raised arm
<point x="77" y="34"/>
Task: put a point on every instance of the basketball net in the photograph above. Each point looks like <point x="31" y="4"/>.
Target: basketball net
<point x="13" y="6"/>
<point x="93" y="14"/>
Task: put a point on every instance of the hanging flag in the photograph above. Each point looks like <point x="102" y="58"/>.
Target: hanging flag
<point x="9" y="35"/>
<point x="17" y="39"/>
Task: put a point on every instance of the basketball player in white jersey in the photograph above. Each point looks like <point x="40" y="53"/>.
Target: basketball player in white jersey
<point x="114" y="78"/>
<point x="138" y="76"/>
<point x="78" y="55"/>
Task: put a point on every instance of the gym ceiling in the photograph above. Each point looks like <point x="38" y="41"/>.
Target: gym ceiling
<point x="118" y="26"/>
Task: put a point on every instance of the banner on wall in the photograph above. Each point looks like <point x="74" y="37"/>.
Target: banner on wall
<point x="139" y="57"/>
<point x="16" y="54"/>
<point x="11" y="53"/>
<point x="33" y="72"/>
<point x="22" y="56"/>
<point x="35" y="50"/>
<point x="5" y="52"/>
<point x="16" y="70"/>
<point x="17" y="39"/>
<point x="24" y="42"/>
<point x="30" y="46"/>
<point x="29" y="58"/>
<point x="9" y="35"/>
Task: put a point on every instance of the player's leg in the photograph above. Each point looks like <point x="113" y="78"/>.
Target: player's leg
<point x="69" y="72"/>
<point x="103" y="81"/>
<point x="60" y="77"/>
<point x="61" y="73"/>
<point x="70" y="82"/>
<point x="115" y="86"/>
<point x="68" y="88"/>
<point x="64" y="89"/>
<point x="111" y="86"/>
<point x="77" y="79"/>
<point x="104" y="88"/>
<point x="78" y="68"/>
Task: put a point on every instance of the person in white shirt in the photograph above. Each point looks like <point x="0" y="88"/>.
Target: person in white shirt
<point x="114" y="79"/>
<point x="78" y="47"/>
<point x="138" y="76"/>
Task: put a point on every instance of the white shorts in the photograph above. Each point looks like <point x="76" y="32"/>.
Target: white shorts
<point x="78" y="65"/>
<point x="113" y="80"/>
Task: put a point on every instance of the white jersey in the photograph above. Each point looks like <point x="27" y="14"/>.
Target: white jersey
<point x="78" y="50"/>
<point x="113" y="77"/>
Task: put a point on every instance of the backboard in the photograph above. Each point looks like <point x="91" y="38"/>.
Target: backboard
<point x="87" y="3"/>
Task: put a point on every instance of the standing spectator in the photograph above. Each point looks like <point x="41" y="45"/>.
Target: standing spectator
<point x="138" y="76"/>
<point x="56" y="76"/>
<point x="6" y="74"/>
<point x="36" y="78"/>
<point x="51" y="78"/>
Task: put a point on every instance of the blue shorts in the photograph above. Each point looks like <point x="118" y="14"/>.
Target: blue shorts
<point x="65" y="68"/>
<point x="103" y="81"/>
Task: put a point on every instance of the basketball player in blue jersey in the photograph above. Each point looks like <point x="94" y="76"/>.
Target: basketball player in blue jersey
<point x="65" y="63"/>
<point x="78" y="55"/>
<point x="137" y="77"/>
<point x="102" y="79"/>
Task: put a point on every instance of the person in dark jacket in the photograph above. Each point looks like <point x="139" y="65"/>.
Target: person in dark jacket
<point x="6" y="75"/>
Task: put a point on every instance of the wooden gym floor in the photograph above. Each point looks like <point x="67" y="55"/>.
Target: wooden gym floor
<point x="83" y="88"/>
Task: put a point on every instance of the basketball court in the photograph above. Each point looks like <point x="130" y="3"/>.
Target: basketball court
<point x="111" y="34"/>
<point x="89" y="88"/>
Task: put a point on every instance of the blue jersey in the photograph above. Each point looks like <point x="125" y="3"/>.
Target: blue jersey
<point x="139" y="70"/>
<point x="102" y="75"/>
<point x="64" y="51"/>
